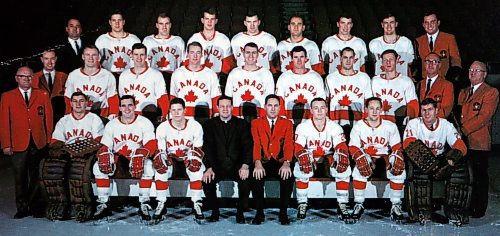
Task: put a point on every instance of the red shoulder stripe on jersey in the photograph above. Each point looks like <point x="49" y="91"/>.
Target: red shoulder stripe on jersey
<point x="113" y="105"/>
<point x="151" y="146"/>
<point x="407" y="141"/>
<point x="164" y="104"/>
<point x="460" y="145"/>
<point x="412" y="109"/>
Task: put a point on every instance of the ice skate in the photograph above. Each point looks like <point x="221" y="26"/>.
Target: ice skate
<point x="359" y="209"/>
<point x="344" y="214"/>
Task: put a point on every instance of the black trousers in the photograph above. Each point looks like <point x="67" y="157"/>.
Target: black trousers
<point x="210" y="189"/>
<point x="272" y="167"/>
<point x="26" y="178"/>
<point x="480" y="183"/>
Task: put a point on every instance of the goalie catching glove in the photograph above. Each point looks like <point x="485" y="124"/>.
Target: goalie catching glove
<point x="106" y="161"/>
<point x="304" y="159"/>
<point x="137" y="162"/>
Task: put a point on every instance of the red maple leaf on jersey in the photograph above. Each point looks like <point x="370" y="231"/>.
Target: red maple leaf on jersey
<point x="180" y="153"/>
<point x="124" y="151"/>
<point x="371" y="150"/>
<point x="119" y="63"/>
<point x="208" y="63"/>
<point x="300" y="99"/>
<point x="163" y="62"/>
<point x="386" y="106"/>
<point x="345" y="101"/>
<point x="190" y="97"/>
<point x="247" y="96"/>
<point x="318" y="152"/>
<point x="289" y="66"/>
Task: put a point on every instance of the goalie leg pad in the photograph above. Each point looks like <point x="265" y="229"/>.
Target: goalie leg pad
<point x="419" y="192"/>
<point x="80" y="188"/>
<point x="458" y="194"/>
<point x="54" y="187"/>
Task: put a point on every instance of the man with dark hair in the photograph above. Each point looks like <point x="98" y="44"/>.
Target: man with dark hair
<point x="443" y="44"/>
<point x="435" y="133"/>
<point x="228" y="149"/>
<point x="70" y="55"/>
<point x="478" y="105"/>
<point x="272" y="154"/>
<point x="265" y="41"/>
<point x="332" y="45"/>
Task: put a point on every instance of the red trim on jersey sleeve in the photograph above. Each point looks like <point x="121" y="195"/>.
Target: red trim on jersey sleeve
<point x="164" y="104"/>
<point x="298" y="147"/>
<point x="412" y="109"/>
<point x="353" y="150"/>
<point x="460" y="145"/>
<point x="67" y="102"/>
<point x="407" y="141"/>
<point x="214" y="105"/>
<point x="319" y="68"/>
<point x="273" y="68"/>
<point x="104" y="148"/>
<point x="340" y="146"/>
<point x="98" y="139"/>
<point x="113" y="104"/>
<point x="362" y="69"/>
<point x="228" y="64"/>
<point x="151" y="146"/>
<point x="396" y="147"/>
<point x="282" y="107"/>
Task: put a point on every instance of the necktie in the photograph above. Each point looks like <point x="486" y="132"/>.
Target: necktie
<point x="26" y="99"/>
<point x="428" y="88"/>
<point x="272" y="126"/>
<point x="470" y="92"/>
<point x="49" y="78"/>
<point x="431" y="44"/>
<point x="77" y="48"/>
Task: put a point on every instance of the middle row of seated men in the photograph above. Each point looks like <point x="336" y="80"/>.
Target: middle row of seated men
<point x="229" y="147"/>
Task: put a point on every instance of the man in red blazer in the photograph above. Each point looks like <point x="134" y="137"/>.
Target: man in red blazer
<point x="26" y="127"/>
<point x="436" y="86"/>
<point x="479" y="103"/>
<point x="272" y="154"/>
<point x="443" y="44"/>
<point x="52" y="81"/>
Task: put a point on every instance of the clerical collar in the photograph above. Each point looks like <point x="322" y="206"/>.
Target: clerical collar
<point x="225" y="121"/>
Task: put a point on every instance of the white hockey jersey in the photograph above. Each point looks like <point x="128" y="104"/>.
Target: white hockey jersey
<point x="402" y="46"/>
<point x="124" y="139"/>
<point x="147" y="87"/>
<point x="165" y="55"/>
<point x="116" y="52"/>
<point x="179" y="141"/>
<point x="315" y="61"/>
<point x="69" y="129"/>
<point x="319" y="142"/>
<point x="216" y="52"/>
<point x="332" y="46"/>
<point x="375" y="141"/>
<point x="266" y="47"/>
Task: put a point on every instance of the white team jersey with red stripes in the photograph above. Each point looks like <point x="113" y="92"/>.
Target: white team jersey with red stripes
<point x="179" y="141"/>
<point x="266" y="44"/>
<point x="215" y="50"/>
<point x="443" y="133"/>
<point x="98" y="87"/>
<point x="164" y="54"/>
<point x="249" y="86"/>
<point x="319" y="142"/>
<point x="126" y="138"/>
<point x="332" y="46"/>
<point x="347" y="95"/>
<point x="299" y="88"/>
<point x="285" y="47"/>
<point x="402" y="46"/>
<point x="375" y="141"/>
<point x="394" y="93"/>
<point x="69" y="129"/>
<point x="116" y="52"/>
<point x="146" y="87"/>
<point x="195" y="87"/>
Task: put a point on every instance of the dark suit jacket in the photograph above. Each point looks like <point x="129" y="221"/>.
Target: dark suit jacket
<point x="18" y="121"/>
<point x="67" y="59"/>
<point x="477" y="113"/>
<point x="227" y="154"/>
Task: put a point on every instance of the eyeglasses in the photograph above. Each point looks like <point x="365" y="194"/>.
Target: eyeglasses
<point x="25" y="76"/>
<point x="476" y="70"/>
<point x="428" y="62"/>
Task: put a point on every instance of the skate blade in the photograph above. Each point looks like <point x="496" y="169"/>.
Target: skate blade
<point x="200" y="221"/>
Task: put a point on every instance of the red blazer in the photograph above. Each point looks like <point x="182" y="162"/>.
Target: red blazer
<point x="477" y="113"/>
<point x="18" y="120"/>
<point x="40" y="82"/>
<point x="446" y="46"/>
<point x="442" y="92"/>
<point x="277" y="146"/>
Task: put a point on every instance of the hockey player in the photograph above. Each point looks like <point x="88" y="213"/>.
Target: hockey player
<point x="375" y="141"/>
<point x="332" y="46"/>
<point x="197" y="85"/>
<point x="399" y="100"/>
<point x="435" y="133"/>
<point x="297" y="87"/>
<point x="180" y="142"/>
<point x="249" y="84"/>
<point x="128" y="142"/>
<point x="116" y="45"/>
<point x="347" y="91"/>
<point x="165" y="51"/>
<point x="265" y="41"/>
<point x="391" y="40"/>
<point x="95" y="82"/>
<point x="217" y="52"/>
<point x="320" y="149"/>
<point x="296" y="28"/>
<point x="145" y="84"/>
<point x="74" y="127"/>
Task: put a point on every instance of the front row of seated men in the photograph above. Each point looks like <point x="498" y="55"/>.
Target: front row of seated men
<point x="227" y="147"/>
